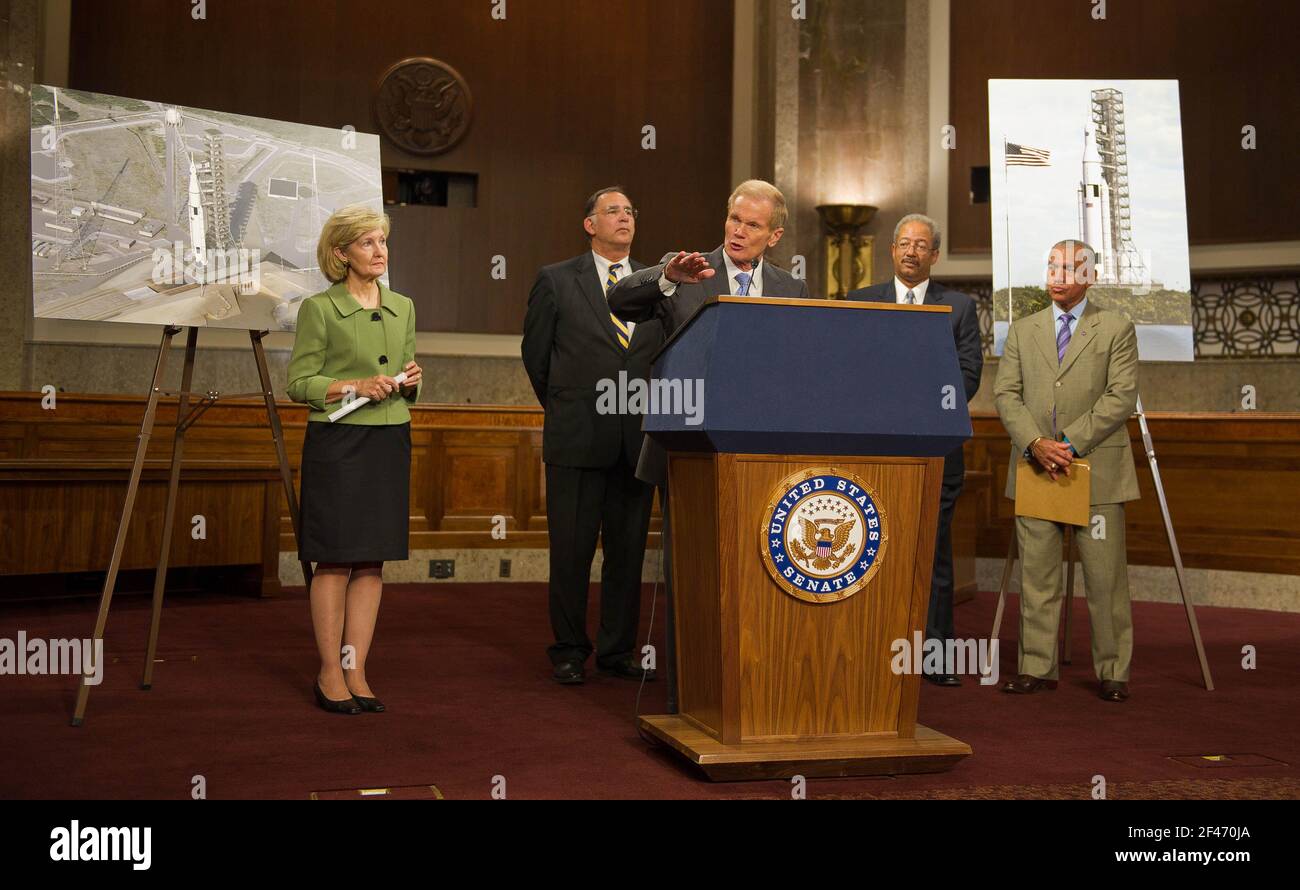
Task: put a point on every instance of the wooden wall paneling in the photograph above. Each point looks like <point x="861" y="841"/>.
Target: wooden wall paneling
<point x="530" y="496"/>
<point x="422" y="479"/>
<point x="1229" y="479"/>
<point x="435" y="493"/>
<point x="60" y="515"/>
<point x="479" y="478"/>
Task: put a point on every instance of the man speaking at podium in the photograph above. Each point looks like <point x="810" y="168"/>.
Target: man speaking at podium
<point x="1066" y="387"/>
<point x="914" y="250"/>
<point x="680" y="284"/>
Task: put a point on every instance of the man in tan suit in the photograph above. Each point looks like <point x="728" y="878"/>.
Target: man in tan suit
<point x="1066" y="387"/>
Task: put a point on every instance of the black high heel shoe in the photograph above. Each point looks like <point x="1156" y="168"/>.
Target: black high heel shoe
<point x="373" y="705"/>
<point x="346" y="706"/>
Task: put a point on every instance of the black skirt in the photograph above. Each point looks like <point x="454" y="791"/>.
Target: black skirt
<point x="356" y="491"/>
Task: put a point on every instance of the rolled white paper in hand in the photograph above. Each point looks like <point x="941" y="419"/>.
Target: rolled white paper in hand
<point x="361" y="400"/>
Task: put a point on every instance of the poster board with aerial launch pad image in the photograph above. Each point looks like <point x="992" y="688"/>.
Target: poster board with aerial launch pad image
<point x="152" y="213"/>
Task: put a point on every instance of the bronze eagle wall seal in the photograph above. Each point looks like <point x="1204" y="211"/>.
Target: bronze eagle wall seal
<point x="423" y="106"/>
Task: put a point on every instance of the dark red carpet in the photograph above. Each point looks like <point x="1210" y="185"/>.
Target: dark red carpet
<point x="464" y="672"/>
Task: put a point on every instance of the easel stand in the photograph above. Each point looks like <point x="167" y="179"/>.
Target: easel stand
<point x="1069" y="556"/>
<point x="185" y="418"/>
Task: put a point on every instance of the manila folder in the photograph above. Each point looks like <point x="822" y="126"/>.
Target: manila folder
<point x="1065" y="500"/>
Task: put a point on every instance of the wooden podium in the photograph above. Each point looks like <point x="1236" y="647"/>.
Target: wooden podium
<point x="776" y="680"/>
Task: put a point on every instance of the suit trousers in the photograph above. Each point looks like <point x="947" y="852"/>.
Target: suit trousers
<point x="938" y="618"/>
<point x="583" y="504"/>
<point x="1105" y="576"/>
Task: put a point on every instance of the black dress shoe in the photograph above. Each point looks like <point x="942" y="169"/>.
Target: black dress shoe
<point x="1113" y="690"/>
<point x="570" y="673"/>
<point x="1027" y="685"/>
<point x="627" y="669"/>
<point x="943" y="679"/>
<point x="345" y="706"/>
<point x="373" y="705"/>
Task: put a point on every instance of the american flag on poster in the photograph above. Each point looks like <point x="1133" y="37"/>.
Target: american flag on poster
<point x="1024" y="156"/>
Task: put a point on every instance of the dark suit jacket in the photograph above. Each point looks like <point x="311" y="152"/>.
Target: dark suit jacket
<point x="965" y="333"/>
<point x="569" y="346"/>
<point x="638" y="298"/>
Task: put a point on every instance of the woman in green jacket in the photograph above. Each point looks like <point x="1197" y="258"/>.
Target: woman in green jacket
<point x="352" y="342"/>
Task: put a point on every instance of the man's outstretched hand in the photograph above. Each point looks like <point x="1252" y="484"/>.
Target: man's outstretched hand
<point x="688" y="268"/>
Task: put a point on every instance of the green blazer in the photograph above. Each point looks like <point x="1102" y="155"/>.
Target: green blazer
<point x="1093" y="390"/>
<point x="339" y="340"/>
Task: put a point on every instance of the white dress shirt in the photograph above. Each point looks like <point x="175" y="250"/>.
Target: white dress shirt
<point x="900" y="291"/>
<point x="602" y="272"/>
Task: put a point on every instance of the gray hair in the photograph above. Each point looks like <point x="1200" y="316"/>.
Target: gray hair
<point x="921" y="218"/>
<point x="762" y="190"/>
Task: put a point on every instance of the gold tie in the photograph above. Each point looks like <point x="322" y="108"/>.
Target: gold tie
<point x="623" y="334"/>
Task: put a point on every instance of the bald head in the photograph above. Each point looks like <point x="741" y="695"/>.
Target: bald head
<point x="1071" y="270"/>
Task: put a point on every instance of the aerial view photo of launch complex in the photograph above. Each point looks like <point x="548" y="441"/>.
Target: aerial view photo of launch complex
<point x="157" y="214"/>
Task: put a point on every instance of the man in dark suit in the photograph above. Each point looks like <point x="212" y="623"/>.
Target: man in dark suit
<point x="914" y="250"/>
<point x="670" y="292"/>
<point x="573" y="349"/>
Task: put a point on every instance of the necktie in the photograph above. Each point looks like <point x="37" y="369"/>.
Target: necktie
<point x="620" y="329"/>
<point x="910" y="298"/>
<point x="1063" y="337"/>
<point x="743" y="279"/>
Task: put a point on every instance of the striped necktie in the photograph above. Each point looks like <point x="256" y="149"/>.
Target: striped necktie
<point x="1062" y="344"/>
<point x="743" y="279"/>
<point x="1063" y="337"/>
<point x="620" y="329"/>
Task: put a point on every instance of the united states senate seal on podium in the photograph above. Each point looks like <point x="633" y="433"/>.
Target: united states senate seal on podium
<point x="823" y="534"/>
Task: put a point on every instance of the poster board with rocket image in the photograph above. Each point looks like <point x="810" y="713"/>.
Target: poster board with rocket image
<point x="1099" y="161"/>
<point x="152" y="213"/>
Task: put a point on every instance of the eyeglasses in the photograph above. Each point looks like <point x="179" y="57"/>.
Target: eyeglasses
<point x="905" y="245"/>
<point x="612" y="212"/>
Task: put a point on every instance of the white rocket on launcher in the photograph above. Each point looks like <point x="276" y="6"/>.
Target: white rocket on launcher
<point x="1094" y="208"/>
<point x="198" y="233"/>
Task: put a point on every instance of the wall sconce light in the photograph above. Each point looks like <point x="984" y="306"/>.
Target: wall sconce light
<point x="847" y="250"/>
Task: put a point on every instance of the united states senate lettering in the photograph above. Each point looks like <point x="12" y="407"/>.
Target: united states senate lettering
<point x="823" y="534"/>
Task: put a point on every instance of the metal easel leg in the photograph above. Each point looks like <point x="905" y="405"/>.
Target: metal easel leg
<point x="1150" y="449"/>
<point x="277" y="433"/>
<point x="1002" y="588"/>
<point x="169" y="513"/>
<point x="124" y="521"/>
